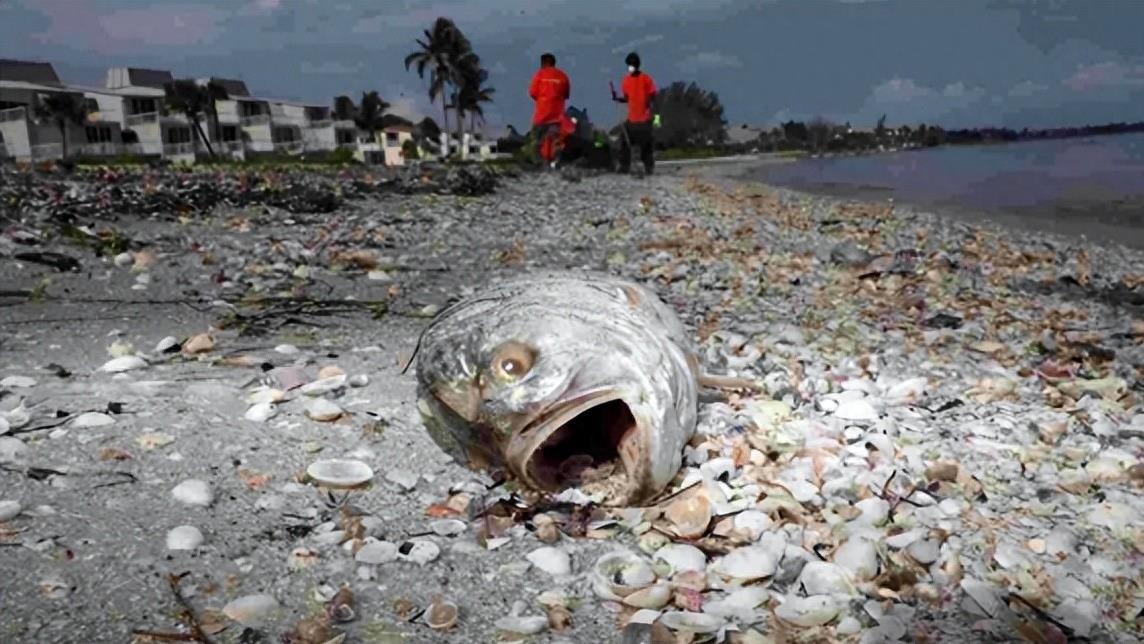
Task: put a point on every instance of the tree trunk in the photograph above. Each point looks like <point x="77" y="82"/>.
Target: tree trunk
<point x="202" y="136"/>
<point x="445" y="124"/>
<point x="63" y="140"/>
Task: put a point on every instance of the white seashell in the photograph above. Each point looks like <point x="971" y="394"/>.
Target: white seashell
<point x="447" y="527"/>
<point x="166" y="344"/>
<point x="859" y="557"/>
<point x="904" y="539"/>
<point x="323" y="410"/>
<point x="848" y="626"/>
<point x="750" y="562"/>
<point x="753" y="522"/>
<point x="193" y="492"/>
<point x="874" y="511"/>
<point x="825" y="578"/>
<point x="924" y="551"/>
<point x="92" y="419"/>
<point x="620" y="573"/>
<point x="857" y="410"/>
<point x="9" y="509"/>
<point x="681" y="620"/>
<point x="815" y="610"/>
<point x="124" y="363"/>
<point x="18" y="382"/>
<point x="124" y="259"/>
<point x="331" y="538"/>
<point x="655" y="596"/>
<point x="644" y="616"/>
<point x="251" y="610"/>
<point x="682" y="557"/>
<point x="524" y="625"/>
<point x="324" y="385"/>
<point x="418" y="551"/>
<point x="286" y="349"/>
<point x="359" y="380"/>
<point x="339" y="473"/>
<point x="17" y="417"/>
<point x="376" y="552"/>
<point x="740" y="605"/>
<point x="184" y="537"/>
<point x="5" y="427"/>
<point x="553" y="561"/>
<point x="260" y="412"/>
<point x="12" y="449"/>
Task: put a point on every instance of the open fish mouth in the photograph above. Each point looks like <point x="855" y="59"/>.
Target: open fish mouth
<point x="593" y="442"/>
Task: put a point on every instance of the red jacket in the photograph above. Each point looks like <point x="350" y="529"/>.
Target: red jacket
<point x="638" y="89"/>
<point x="550" y="87"/>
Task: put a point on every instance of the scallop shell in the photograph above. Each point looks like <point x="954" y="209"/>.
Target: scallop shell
<point x="619" y="574"/>
<point x="340" y="473"/>
<point x="441" y="614"/>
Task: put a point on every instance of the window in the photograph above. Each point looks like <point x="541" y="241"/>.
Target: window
<point x="250" y="108"/>
<point x="98" y="134"/>
<point x="283" y="135"/>
<point x="143" y="106"/>
<point x="345" y="136"/>
<point x="391" y="139"/>
<point x="229" y="133"/>
<point x="179" y="135"/>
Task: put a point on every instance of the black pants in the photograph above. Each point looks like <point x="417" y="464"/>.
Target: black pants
<point x="638" y="134"/>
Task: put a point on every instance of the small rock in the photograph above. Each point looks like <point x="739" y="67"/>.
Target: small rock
<point x="323" y="410"/>
<point x="124" y="363"/>
<point x="287" y="349"/>
<point x="193" y="492"/>
<point x="924" y="551"/>
<point x="92" y="419"/>
<point x="260" y="412"/>
<point x="124" y="260"/>
<point x="447" y="527"/>
<point x="523" y="625"/>
<point x="18" y="382"/>
<point x="9" y="509"/>
<point x="184" y="537"/>
<point x="201" y="343"/>
<point x="359" y="380"/>
<point x="553" y="561"/>
<point x="324" y="385"/>
<point x="251" y="610"/>
<point x="406" y="479"/>
<point x="12" y="449"/>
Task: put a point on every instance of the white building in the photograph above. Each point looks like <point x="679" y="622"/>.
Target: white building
<point x="25" y="135"/>
<point x="135" y="98"/>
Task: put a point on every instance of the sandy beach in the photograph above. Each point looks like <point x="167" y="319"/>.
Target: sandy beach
<point x="946" y="446"/>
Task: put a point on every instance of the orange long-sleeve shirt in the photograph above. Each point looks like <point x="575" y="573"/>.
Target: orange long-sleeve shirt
<point x="550" y="87"/>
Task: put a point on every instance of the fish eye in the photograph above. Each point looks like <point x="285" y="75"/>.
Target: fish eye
<point x="512" y="360"/>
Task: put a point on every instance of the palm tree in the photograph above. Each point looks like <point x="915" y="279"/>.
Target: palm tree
<point x="215" y="91"/>
<point x="473" y="93"/>
<point x="444" y="51"/>
<point x="186" y="96"/>
<point x="63" y="109"/>
<point x="370" y="113"/>
<point x="344" y="108"/>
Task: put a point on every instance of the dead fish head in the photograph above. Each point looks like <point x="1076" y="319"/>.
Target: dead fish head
<point x="566" y="381"/>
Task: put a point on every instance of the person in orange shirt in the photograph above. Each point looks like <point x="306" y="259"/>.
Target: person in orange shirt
<point x="549" y="88"/>
<point x="639" y="92"/>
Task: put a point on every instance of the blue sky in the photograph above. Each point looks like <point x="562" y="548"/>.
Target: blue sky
<point x="953" y="62"/>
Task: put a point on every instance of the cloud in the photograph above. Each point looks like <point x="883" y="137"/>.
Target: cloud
<point x="632" y="44"/>
<point x="1027" y="88"/>
<point x="707" y="60"/>
<point x="79" y="26"/>
<point x="329" y="67"/>
<point x="904" y="100"/>
<point x="1105" y="75"/>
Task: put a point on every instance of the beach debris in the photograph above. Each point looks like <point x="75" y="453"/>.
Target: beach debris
<point x="252" y="610"/>
<point x="184" y="537"/>
<point x="194" y="492"/>
<point x="340" y="473"/>
<point x="618" y="436"/>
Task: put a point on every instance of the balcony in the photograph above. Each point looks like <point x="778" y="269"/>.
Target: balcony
<point x="178" y="149"/>
<point x="230" y="146"/>
<point x="319" y="124"/>
<point x="289" y="147"/>
<point x="48" y="151"/>
<point x="13" y="114"/>
<point x="255" y="119"/>
<point x="132" y="120"/>
<point x="105" y="149"/>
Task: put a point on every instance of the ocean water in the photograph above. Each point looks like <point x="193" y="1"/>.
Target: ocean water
<point x="1092" y="186"/>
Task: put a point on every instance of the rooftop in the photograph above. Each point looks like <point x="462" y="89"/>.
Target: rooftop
<point x="28" y="71"/>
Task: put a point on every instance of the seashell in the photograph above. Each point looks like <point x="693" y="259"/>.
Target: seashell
<point x="418" y="551"/>
<point x="825" y="578"/>
<point x="9" y="510"/>
<point x="324" y="386"/>
<point x="184" y="537"/>
<point x="856" y="410"/>
<point x="814" y="610"/>
<point x="323" y="410"/>
<point x="619" y="574"/>
<point x="166" y="344"/>
<point x="301" y="558"/>
<point x="18" y="382"/>
<point x="376" y="552"/>
<point x="251" y="610"/>
<point x="447" y="527"/>
<point x="358" y="380"/>
<point x="679" y="620"/>
<point x="5" y="426"/>
<point x="682" y="557"/>
<point x="201" y="343"/>
<point x="753" y="523"/>
<point x="740" y="605"/>
<point x="92" y="419"/>
<point x="12" y="449"/>
<point x="553" y="561"/>
<point x="330" y="371"/>
<point x="690" y="516"/>
<point x="340" y="473"/>
<point x="750" y="562"/>
<point x="924" y="551"/>
<point x="655" y="596"/>
<point x="441" y="615"/>
<point x="260" y="412"/>
<point x="651" y="541"/>
<point x="124" y="363"/>
<point x="193" y="492"/>
<point x="859" y="557"/>
<point x="524" y="625"/>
